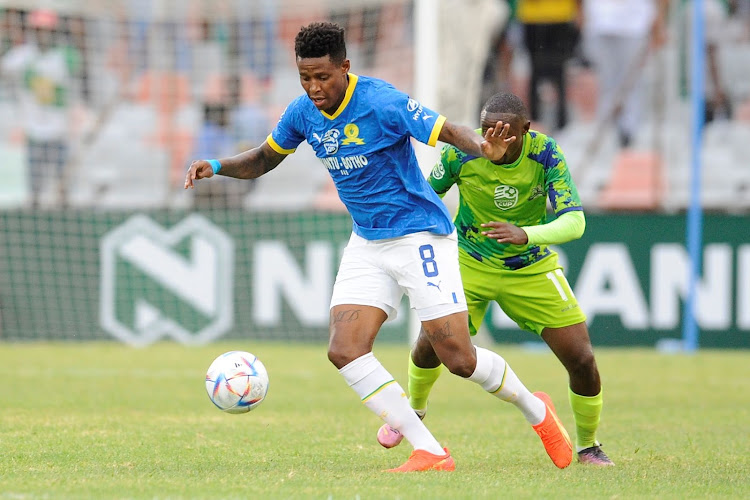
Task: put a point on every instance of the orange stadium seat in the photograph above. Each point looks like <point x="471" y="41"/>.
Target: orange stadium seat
<point x="167" y="89"/>
<point x="636" y="182"/>
<point x="289" y="24"/>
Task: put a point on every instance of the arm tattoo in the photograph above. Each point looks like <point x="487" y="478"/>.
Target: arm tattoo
<point x="251" y="164"/>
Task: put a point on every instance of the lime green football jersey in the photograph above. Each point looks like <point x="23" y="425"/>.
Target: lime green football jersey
<point x="515" y="193"/>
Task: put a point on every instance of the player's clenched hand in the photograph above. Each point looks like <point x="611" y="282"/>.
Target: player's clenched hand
<point x="199" y="169"/>
<point x="505" y="232"/>
<point x="496" y="141"/>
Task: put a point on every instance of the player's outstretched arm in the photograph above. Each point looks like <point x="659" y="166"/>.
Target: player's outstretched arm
<point x="566" y="227"/>
<point x="493" y="146"/>
<point x="248" y="165"/>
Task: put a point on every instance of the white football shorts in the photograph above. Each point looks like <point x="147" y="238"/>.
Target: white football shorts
<point x="422" y="265"/>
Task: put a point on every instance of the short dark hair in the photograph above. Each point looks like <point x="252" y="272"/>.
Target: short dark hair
<point x="319" y="40"/>
<point x="507" y="103"/>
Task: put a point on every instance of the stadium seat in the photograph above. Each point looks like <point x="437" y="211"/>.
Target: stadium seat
<point x="289" y="24"/>
<point x="167" y="89"/>
<point x="636" y="182"/>
<point x="14" y="187"/>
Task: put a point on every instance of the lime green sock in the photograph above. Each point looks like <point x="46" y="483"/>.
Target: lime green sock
<point x="421" y="381"/>
<point x="587" y="410"/>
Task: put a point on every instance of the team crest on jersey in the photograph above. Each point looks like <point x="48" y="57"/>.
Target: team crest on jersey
<point x="330" y="141"/>
<point x="351" y="131"/>
<point x="438" y="171"/>
<point x="506" y="197"/>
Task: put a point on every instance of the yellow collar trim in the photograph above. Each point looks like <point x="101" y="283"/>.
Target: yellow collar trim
<point x="347" y="97"/>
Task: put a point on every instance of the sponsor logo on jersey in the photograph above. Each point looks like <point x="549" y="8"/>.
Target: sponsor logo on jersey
<point x="506" y="197"/>
<point x="416" y="109"/>
<point x="351" y="131"/>
<point x="536" y="192"/>
<point x="345" y="164"/>
<point x="438" y="171"/>
<point x="330" y="141"/>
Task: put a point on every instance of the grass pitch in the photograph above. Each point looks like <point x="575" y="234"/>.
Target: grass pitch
<point x="106" y="421"/>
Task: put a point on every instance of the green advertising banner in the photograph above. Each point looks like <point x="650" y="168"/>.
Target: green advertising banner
<point x="190" y="277"/>
<point x="198" y="277"/>
<point x="630" y="275"/>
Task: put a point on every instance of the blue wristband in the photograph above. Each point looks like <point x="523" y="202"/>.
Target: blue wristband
<point x="215" y="165"/>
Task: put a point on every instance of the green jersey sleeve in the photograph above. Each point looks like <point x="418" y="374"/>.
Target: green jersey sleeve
<point x="446" y="171"/>
<point x="561" y="190"/>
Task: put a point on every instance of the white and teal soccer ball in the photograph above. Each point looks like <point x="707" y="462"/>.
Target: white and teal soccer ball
<point x="237" y="382"/>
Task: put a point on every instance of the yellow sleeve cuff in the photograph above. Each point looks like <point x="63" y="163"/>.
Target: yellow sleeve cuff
<point x="436" y="130"/>
<point x="275" y="146"/>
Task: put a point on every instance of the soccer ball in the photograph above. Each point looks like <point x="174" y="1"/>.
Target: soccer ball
<point x="237" y="382"/>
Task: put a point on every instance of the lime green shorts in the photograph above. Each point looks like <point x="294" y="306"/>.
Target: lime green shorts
<point x="536" y="297"/>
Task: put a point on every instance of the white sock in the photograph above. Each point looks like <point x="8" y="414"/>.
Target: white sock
<point x="385" y="398"/>
<point x="495" y="376"/>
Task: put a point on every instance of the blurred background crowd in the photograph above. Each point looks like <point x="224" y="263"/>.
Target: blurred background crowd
<point x="105" y="103"/>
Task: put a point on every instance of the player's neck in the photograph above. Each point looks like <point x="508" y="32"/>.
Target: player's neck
<point x="336" y="106"/>
<point x="509" y="160"/>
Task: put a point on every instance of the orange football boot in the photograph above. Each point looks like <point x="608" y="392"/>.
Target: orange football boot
<point x="421" y="460"/>
<point x="554" y="436"/>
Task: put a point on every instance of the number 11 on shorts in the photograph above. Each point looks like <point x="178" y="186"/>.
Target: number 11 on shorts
<point x="552" y="276"/>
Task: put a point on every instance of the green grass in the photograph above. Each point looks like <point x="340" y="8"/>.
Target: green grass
<point x="107" y="421"/>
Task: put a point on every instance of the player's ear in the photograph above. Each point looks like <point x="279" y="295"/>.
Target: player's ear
<point x="526" y="127"/>
<point x="345" y="66"/>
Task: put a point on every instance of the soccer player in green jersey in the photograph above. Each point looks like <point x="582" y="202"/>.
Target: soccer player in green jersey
<point x="503" y="254"/>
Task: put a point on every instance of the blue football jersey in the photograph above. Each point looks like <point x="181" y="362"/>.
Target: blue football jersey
<point x="366" y="147"/>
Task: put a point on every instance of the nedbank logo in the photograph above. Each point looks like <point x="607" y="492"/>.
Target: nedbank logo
<point x="158" y="282"/>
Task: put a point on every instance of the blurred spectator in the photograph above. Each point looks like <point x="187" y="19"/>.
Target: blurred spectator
<point x="138" y="15"/>
<point x="11" y="28"/>
<point x="741" y="10"/>
<point x="551" y="33"/>
<point x="498" y="68"/>
<point x="156" y="42"/>
<point x="214" y="138"/>
<point x="208" y="41"/>
<point x="362" y="26"/>
<point x="465" y="27"/>
<point x="248" y="121"/>
<point x="46" y="72"/>
<point x="77" y="36"/>
<point x="252" y="38"/>
<point x="619" y="35"/>
<point x="231" y="124"/>
<point x="717" y="102"/>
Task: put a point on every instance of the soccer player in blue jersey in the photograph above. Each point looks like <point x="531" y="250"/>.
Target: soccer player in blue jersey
<point x="503" y="238"/>
<point x="403" y="240"/>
